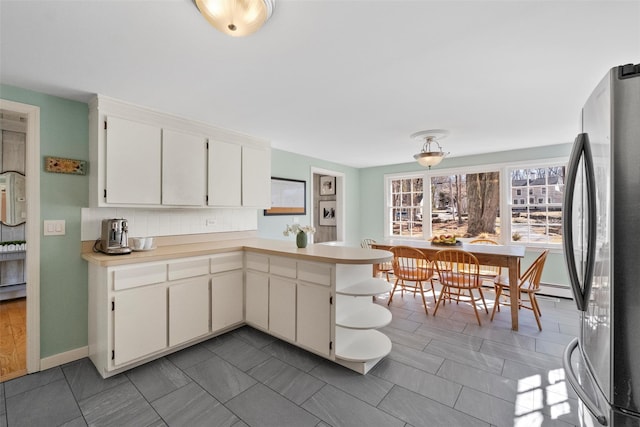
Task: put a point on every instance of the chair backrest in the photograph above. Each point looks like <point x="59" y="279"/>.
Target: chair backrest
<point x="487" y="270"/>
<point x="530" y="279"/>
<point x="366" y="243"/>
<point x="465" y="276"/>
<point x="483" y="242"/>
<point x="411" y="264"/>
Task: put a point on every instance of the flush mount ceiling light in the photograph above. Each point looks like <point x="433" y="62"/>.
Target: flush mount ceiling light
<point x="236" y="17"/>
<point x="427" y="157"/>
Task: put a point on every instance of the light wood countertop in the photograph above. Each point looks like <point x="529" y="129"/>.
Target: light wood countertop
<point x="315" y="252"/>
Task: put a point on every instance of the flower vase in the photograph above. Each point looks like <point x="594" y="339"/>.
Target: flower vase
<point x="301" y="239"/>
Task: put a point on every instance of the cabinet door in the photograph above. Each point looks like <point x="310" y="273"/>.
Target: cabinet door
<point x="132" y="162"/>
<point x="225" y="174"/>
<point x="184" y="168"/>
<point x="314" y="318"/>
<point x="256" y="177"/>
<point x="188" y="310"/>
<point x="257" y="299"/>
<point x="282" y="307"/>
<point x="140" y="323"/>
<point x="227" y="300"/>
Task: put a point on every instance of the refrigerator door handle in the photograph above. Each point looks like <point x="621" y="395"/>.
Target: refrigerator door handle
<point x="581" y="150"/>
<point x="575" y="384"/>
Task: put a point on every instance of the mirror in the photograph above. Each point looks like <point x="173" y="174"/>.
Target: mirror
<point x="13" y="201"/>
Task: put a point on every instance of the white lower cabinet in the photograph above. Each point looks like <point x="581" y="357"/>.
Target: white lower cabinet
<point x="282" y="307"/>
<point x="188" y="310"/>
<point x="227" y="300"/>
<point x="139" y="323"/>
<point x="257" y="299"/>
<point x="139" y="312"/>
<point x="314" y="318"/>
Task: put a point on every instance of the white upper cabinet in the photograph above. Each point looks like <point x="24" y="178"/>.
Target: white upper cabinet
<point x="141" y="157"/>
<point x="133" y="162"/>
<point x="225" y="174"/>
<point x="184" y="168"/>
<point x="256" y="177"/>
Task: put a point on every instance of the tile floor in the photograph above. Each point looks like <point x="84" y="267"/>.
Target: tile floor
<point x="443" y="371"/>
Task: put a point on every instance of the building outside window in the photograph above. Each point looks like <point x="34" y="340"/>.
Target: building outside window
<point x="539" y="221"/>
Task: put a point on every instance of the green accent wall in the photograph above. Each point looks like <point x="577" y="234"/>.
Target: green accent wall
<point x="63" y="274"/>
<point x="285" y="164"/>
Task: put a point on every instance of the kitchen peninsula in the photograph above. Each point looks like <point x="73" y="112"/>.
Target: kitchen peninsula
<point x="148" y="304"/>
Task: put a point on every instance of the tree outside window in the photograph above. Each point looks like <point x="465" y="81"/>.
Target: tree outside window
<point x="467" y="205"/>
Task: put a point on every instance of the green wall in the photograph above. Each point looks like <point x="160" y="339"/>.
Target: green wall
<point x="372" y="195"/>
<point x="294" y="166"/>
<point x="63" y="274"/>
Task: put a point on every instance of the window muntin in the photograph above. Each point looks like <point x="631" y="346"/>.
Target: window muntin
<point x="539" y="220"/>
<point x="405" y="206"/>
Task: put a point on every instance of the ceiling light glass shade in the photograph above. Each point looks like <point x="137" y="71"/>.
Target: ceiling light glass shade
<point x="429" y="159"/>
<point x="236" y="17"/>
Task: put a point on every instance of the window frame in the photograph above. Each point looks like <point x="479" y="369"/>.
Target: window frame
<point x="388" y="223"/>
<point x="506" y="204"/>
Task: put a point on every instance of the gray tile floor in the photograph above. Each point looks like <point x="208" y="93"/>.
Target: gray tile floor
<point x="443" y="371"/>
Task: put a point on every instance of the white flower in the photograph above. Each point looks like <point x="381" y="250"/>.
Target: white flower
<point x="296" y="228"/>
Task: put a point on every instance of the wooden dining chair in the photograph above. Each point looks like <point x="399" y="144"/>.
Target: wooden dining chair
<point x="385" y="267"/>
<point x="487" y="272"/>
<point x="528" y="286"/>
<point x="459" y="284"/>
<point x="411" y="269"/>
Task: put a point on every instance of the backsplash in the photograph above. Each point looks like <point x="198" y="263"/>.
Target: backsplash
<point x="169" y="222"/>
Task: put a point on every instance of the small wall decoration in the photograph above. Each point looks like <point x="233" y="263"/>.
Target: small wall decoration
<point x="327" y="185"/>
<point x="60" y="165"/>
<point x="288" y="197"/>
<point x="327" y="213"/>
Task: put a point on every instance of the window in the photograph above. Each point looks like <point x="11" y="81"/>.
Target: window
<point x="466" y="204"/>
<point x="539" y="221"/>
<point x="469" y="203"/>
<point x="404" y="206"/>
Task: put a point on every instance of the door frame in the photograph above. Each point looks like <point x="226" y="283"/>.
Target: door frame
<point x="32" y="172"/>
<point x="340" y="199"/>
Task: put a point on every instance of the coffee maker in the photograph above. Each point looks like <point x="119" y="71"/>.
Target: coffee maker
<point x="115" y="237"/>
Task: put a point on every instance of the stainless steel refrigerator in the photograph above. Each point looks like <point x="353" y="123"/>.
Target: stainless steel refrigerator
<point x="602" y="251"/>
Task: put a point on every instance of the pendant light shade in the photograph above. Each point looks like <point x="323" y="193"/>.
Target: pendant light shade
<point x="428" y="157"/>
<point x="236" y="17"/>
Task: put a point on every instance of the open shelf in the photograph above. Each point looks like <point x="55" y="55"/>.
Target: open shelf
<point x="371" y="286"/>
<point x="360" y="313"/>
<point x="356" y="345"/>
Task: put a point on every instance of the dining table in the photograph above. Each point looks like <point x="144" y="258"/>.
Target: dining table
<point x="507" y="256"/>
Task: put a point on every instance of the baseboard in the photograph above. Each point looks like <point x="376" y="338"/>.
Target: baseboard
<point x="62" y="358"/>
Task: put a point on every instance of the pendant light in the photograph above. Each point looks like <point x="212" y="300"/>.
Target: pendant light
<point x="236" y="17"/>
<point x="427" y="157"/>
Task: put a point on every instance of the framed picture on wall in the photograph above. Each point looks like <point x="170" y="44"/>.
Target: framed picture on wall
<point x="327" y="185"/>
<point x="327" y="212"/>
<point x="288" y="197"/>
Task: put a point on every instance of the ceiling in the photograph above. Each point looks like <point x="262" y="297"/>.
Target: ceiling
<point x="341" y="80"/>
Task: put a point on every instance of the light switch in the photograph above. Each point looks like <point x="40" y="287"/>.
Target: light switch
<point x="54" y="227"/>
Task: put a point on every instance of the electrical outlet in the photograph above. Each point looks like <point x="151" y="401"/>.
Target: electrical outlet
<point x="211" y="221"/>
<point x="295" y="220"/>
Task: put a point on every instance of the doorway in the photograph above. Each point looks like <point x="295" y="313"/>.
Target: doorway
<point x="327" y="200"/>
<point x="19" y="239"/>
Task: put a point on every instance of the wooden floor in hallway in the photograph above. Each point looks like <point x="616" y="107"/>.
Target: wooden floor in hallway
<point x="13" y="338"/>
